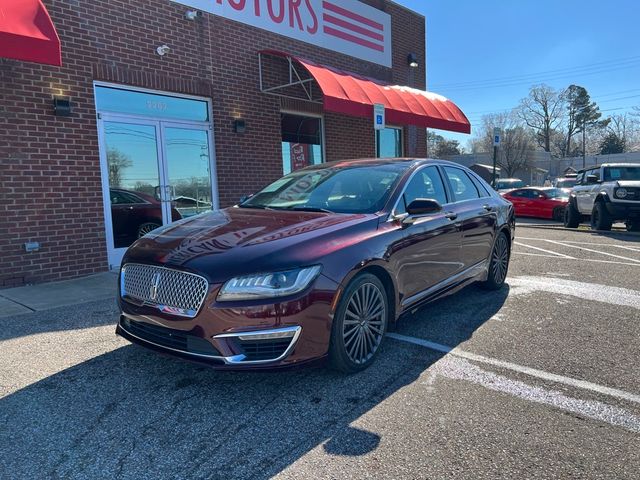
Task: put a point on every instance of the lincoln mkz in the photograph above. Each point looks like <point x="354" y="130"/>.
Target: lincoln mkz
<point x="316" y="266"/>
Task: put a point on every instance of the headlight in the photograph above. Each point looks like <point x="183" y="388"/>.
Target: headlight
<point x="268" y="285"/>
<point x="621" y="192"/>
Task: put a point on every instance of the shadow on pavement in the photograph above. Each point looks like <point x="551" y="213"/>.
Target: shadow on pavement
<point x="131" y="413"/>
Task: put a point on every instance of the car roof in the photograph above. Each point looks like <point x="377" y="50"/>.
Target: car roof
<point x="610" y="165"/>
<point x="403" y="162"/>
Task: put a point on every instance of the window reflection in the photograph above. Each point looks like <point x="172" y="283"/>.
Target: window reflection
<point x="301" y="142"/>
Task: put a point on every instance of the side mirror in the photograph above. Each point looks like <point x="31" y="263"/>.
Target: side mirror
<point x="423" y="206"/>
<point x="591" y="179"/>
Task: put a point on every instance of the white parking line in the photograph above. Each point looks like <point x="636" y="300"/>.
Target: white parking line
<point x="532" y="372"/>
<point x="580" y="247"/>
<point x="543" y="250"/>
<point x="578" y="259"/>
<point x="624" y="247"/>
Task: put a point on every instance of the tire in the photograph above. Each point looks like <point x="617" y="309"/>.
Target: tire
<point x="558" y="214"/>
<point x="146" y="228"/>
<point x="600" y="218"/>
<point x="498" y="265"/>
<point x="359" y="324"/>
<point x="572" y="216"/>
<point x="633" y="225"/>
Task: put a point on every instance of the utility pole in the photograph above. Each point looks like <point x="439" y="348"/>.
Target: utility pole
<point x="496" y="144"/>
<point x="584" y="143"/>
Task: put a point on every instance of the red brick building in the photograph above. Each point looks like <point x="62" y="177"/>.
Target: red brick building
<point x="165" y="108"/>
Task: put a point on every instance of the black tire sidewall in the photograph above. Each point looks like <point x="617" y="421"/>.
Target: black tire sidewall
<point x="338" y="358"/>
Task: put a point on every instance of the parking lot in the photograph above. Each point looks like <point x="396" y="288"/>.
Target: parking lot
<point x="538" y="380"/>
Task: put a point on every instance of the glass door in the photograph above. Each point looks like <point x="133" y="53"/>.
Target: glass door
<point x="131" y="182"/>
<point x="187" y="163"/>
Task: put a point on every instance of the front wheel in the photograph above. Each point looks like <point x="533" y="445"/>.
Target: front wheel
<point x="498" y="265"/>
<point x="558" y="214"/>
<point x="147" y="228"/>
<point x="600" y="218"/>
<point x="571" y="216"/>
<point x="359" y="324"/>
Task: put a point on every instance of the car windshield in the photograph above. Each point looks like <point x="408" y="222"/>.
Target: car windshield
<point x="358" y="189"/>
<point x="501" y="184"/>
<point x="555" y="193"/>
<point x="621" y="173"/>
<point x="566" y="183"/>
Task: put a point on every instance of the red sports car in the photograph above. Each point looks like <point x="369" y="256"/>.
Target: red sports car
<point x="542" y="202"/>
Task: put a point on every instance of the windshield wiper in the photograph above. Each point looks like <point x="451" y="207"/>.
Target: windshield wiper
<point x="309" y="209"/>
<point x="257" y="207"/>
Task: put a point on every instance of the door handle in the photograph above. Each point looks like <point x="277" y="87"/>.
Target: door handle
<point x="451" y="215"/>
<point x="489" y="208"/>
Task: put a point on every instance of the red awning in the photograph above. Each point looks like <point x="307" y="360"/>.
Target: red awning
<point x="27" y="32"/>
<point x="354" y="95"/>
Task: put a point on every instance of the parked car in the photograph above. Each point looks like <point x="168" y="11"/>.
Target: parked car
<point x="606" y="194"/>
<point x="316" y="265"/>
<point x="566" y="183"/>
<point x="134" y="214"/>
<point x="542" y="202"/>
<point x="506" y="184"/>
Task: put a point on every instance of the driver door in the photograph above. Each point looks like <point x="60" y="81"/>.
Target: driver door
<point x="426" y="252"/>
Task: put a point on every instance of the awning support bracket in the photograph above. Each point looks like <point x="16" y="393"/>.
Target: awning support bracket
<point x="295" y="79"/>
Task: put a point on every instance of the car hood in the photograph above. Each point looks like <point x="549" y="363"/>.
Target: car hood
<point x="629" y="183"/>
<point x="237" y="241"/>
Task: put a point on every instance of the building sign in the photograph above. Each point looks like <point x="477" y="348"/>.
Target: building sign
<point x="300" y="156"/>
<point x="378" y="116"/>
<point x="345" y="26"/>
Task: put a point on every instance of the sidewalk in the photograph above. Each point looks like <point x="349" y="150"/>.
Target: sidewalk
<point x="35" y="298"/>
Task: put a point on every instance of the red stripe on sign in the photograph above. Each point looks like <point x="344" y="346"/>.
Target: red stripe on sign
<point x="353" y="38"/>
<point x="350" y="26"/>
<point x="353" y="16"/>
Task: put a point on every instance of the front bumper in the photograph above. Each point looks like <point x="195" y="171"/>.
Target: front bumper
<point x="238" y="335"/>
<point x="623" y="211"/>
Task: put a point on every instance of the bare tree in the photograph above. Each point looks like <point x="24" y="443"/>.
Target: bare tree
<point x="118" y="162"/>
<point x="516" y="142"/>
<point x="542" y="111"/>
<point x="626" y="127"/>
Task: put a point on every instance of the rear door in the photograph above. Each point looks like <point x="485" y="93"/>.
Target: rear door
<point x="476" y="212"/>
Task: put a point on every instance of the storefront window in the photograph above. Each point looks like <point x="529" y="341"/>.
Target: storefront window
<point x="389" y="142"/>
<point x="301" y="142"/>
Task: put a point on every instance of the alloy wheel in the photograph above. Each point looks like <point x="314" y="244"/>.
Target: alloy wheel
<point x="500" y="260"/>
<point x="363" y="325"/>
<point x="146" y="228"/>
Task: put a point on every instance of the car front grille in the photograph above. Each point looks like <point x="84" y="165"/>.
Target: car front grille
<point x="263" y="350"/>
<point x="172" y="291"/>
<point x="176" y="340"/>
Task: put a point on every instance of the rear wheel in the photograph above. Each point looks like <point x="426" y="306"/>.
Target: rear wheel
<point x="558" y="214"/>
<point x="633" y="225"/>
<point x="359" y="324"/>
<point x="600" y="218"/>
<point x="499" y="264"/>
<point x="571" y="216"/>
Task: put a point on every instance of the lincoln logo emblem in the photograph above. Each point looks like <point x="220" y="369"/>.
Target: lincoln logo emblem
<point x="155" y="281"/>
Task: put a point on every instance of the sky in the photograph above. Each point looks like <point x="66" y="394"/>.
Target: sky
<point x="484" y="55"/>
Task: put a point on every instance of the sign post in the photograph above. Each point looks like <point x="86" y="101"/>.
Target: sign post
<point x="496" y="143"/>
<point x="378" y="116"/>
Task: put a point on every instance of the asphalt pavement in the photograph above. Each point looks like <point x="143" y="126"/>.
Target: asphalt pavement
<point x="537" y="380"/>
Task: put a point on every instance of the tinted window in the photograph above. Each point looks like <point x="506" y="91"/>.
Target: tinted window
<point x="461" y="185"/>
<point x="517" y="193"/>
<point x="480" y="186"/>
<point x="425" y="184"/>
<point x="621" y="173"/>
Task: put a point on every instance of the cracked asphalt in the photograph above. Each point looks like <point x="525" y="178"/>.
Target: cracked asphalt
<point x="538" y="380"/>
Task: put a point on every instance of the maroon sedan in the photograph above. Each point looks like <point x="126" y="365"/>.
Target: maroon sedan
<point x="316" y="265"/>
<point x="543" y="202"/>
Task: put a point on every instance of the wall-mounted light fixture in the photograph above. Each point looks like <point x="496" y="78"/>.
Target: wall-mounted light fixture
<point x="192" y="15"/>
<point x="239" y="125"/>
<point x="61" y="106"/>
<point x="412" y="60"/>
<point x="163" y="50"/>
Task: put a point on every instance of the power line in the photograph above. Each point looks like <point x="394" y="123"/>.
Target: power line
<point x="542" y="73"/>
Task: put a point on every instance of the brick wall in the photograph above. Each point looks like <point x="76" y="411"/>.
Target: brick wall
<point x="50" y="183"/>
